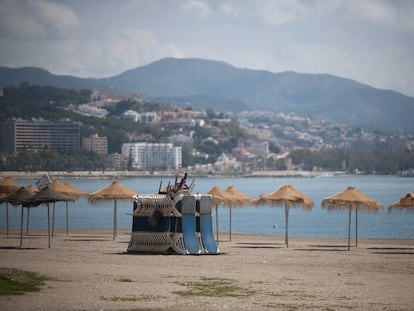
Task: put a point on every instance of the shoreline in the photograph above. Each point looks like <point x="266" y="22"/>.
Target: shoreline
<point x="133" y="174"/>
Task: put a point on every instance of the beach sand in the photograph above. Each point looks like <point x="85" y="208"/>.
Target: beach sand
<point x="90" y="271"/>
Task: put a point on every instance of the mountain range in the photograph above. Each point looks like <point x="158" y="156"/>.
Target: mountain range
<point x="201" y="84"/>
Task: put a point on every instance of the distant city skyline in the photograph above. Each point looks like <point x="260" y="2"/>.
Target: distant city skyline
<point x="371" y="41"/>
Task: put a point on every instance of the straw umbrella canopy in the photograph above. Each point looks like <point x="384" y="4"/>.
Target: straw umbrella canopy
<point x="46" y="196"/>
<point x="7" y="186"/>
<point x="62" y="188"/>
<point x="75" y="190"/>
<point x="20" y="197"/>
<point x="238" y="199"/>
<point x="219" y="196"/>
<point x="404" y="202"/>
<point x="237" y="196"/>
<point x="351" y="198"/>
<point x="286" y="196"/>
<point x="113" y="192"/>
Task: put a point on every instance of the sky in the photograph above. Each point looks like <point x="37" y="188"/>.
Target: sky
<point x="370" y="41"/>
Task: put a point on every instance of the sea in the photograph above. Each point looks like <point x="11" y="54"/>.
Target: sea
<point x="261" y="220"/>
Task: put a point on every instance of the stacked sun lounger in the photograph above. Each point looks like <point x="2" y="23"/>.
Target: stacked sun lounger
<point x="172" y="222"/>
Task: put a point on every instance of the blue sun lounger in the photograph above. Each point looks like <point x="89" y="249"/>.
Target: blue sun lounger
<point x="188" y="211"/>
<point x="206" y="225"/>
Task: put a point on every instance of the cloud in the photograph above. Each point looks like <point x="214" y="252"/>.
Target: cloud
<point x="55" y="15"/>
<point x="279" y="13"/>
<point x="35" y="19"/>
<point x="15" y="21"/>
<point x="112" y="52"/>
<point x="128" y="47"/>
<point x="229" y="9"/>
<point x="384" y="13"/>
<point x="196" y="8"/>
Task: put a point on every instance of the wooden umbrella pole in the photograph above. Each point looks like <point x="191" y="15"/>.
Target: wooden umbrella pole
<point x="286" y="223"/>
<point x="21" y="227"/>
<point x="7" y="218"/>
<point x="356" y="226"/>
<point x="53" y="219"/>
<point x="217" y="230"/>
<point x="67" y="217"/>
<point x="349" y="227"/>
<point x="27" y="220"/>
<point x="230" y="223"/>
<point x="115" y="221"/>
<point x="48" y="223"/>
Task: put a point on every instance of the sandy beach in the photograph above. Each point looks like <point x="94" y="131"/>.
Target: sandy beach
<point x="87" y="270"/>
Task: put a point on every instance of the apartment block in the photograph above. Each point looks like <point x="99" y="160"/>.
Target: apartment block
<point x="150" y="156"/>
<point x="18" y="135"/>
<point x="119" y="161"/>
<point x="259" y="148"/>
<point x="96" y="144"/>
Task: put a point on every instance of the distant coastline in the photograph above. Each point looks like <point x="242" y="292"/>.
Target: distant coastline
<point x="131" y="174"/>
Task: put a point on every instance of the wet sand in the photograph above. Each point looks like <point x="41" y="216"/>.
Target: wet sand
<point x="88" y="270"/>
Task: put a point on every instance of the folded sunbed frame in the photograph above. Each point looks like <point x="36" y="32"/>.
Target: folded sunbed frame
<point x="174" y="222"/>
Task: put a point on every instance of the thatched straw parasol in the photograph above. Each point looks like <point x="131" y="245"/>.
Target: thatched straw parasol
<point x="7" y="186"/>
<point x="404" y="202"/>
<point x="75" y="190"/>
<point x="113" y="192"/>
<point x="20" y="197"/>
<point x="219" y="196"/>
<point x="351" y="198"/>
<point x="237" y="198"/>
<point x="46" y="196"/>
<point x="286" y="196"/>
<point x="62" y="188"/>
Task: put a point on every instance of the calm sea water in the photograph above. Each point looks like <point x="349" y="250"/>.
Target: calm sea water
<point x="249" y="219"/>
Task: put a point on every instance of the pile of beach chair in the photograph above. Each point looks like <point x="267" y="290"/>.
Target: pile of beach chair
<point x="177" y="221"/>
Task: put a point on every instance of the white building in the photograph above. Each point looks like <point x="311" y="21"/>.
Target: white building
<point x="259" y="148"/>
<point x="144" y="117"/>
<point x="148" y="156"/>
<point x="96" y="144"/>
<point x="92" y="111"/>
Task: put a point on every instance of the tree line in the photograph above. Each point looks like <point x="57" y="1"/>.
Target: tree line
<point x="375" y="161"/>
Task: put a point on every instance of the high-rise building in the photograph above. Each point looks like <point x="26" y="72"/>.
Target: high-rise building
<point x="259" y="148"/>
<point x="119" y="161"/>
<point x="96" y="144"/>
<point x="148" y="156"/>
<point x="18" y="135"/>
